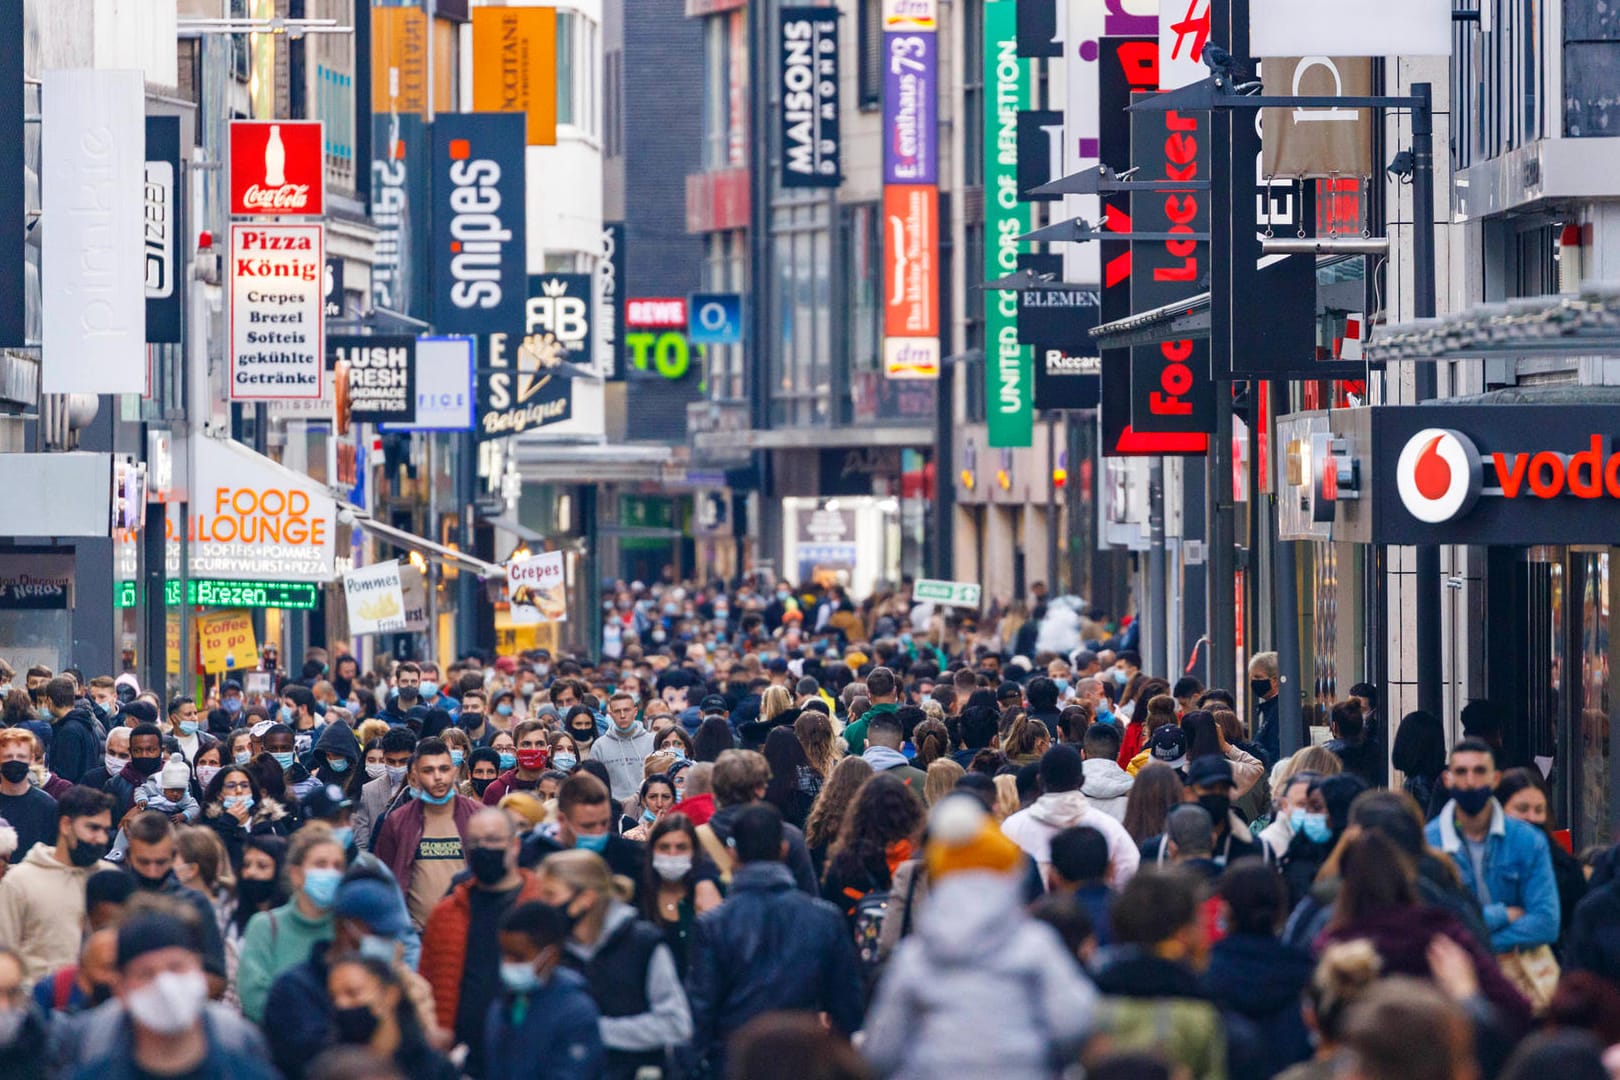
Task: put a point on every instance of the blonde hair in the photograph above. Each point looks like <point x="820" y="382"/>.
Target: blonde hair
<point x="202" y="847"/>
<point x="774" y="702"/>
<point x="311" y="836"/>
<point x="943" y="773"/>
<point x="1316" y="759"/>
<point x="1007" y="803"/>
<point x="18" y="735"/>
<point x="525" y="805"/>
<point x="657" y="764"/>
<point x="370" y="729"/>
<point x="586" y="870"/>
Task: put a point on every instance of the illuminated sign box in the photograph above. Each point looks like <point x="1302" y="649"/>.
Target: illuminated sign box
<point x="219" y="592"/>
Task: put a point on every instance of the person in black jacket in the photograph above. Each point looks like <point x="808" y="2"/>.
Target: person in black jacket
<point x="336" y="759"/>
<point x="768" y="947"/>
<point x="75" y="748"/>
<point x="1265" y="682"/>
<point x="1592" y="942"/>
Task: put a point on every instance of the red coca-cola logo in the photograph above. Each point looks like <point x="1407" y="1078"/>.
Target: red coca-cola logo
<point x="276" y="167"/>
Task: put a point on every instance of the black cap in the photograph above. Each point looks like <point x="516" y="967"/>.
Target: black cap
<point x="1169" y="745"/>
<point x="713" y="703"/>
<point x="152" y="932"/>
<point x="776" y="666"/>
<point x="1208" y="770"/>
<point x="230" y="684"/>
<point x="324" y="802"/>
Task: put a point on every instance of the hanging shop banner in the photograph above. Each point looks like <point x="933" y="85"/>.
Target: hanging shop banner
<point x="559" y="307"/>
<point x="399" y="210"/>
<point x="537" y="590"/>
<point x="515" y="66"/>
<point x="378" y="372"/>
<point x="1056" y="323"/>
<point x="665" y="353"/>
<point x="252" y="519"/>
<point x="716" y="319"/>
<point x="413" y="584"/>
<point x="1007" y="363"/>
<point x="910" y="267"/>
<point x="810" y="146"/>
<point x="910" y="15"/>
<point x="162" y="224"/>
<point x="375" y="598"/>
<point x="1038" y="36"/>
<point x="524" y="388"/>
<point x="399" y="60"/>
<point x="910" y="107"/>
<point x="656" y="313"/>
<point x="1182" y="34"/>
<point x="1040" y="152"/>
<point x="1171" y="389"/>
<point x="444" y="385"/>
<point x="277" y="328"/>
<point x="478" y="262"/>
<point x="1326" y="142"/>
<point x="610" y="293"/>
<point x="93" y="299"/>
<point x="277" y="168"/>
<point x="13" y="196"/>
<point x="225" y="641"/>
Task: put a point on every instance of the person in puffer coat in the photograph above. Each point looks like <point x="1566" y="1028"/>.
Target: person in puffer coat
<point x="1062" y="806"/>
<point x="974" y="945"/>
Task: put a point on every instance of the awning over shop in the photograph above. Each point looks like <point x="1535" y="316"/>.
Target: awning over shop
<point x="1584" y="324"/>
<point x="508" y="523"/>
<point x="1180" y="321"/>
<point x="431" y="549"/>
<point x="253" y="519"/>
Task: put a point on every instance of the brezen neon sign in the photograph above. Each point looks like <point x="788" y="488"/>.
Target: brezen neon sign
<point x="218" y="592"/>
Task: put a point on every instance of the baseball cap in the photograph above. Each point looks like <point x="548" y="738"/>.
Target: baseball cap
<point x="1168" y="744"/>
<point x="1208" y="770"/>
<point x="712" y="704"/>
<point x="324" y="801"/>
<point x="374" y="903"/>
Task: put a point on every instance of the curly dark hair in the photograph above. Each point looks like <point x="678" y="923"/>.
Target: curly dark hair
<point x="884" y="812"/>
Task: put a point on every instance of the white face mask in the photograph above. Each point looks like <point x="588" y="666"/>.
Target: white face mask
<point x="376" y="769"/>
<point x="170" y="1003"/>
<point x="672" y="867"/>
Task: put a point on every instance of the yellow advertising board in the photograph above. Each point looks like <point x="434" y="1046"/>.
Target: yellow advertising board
<point x="515" y="66"/>
<point x="225" y="640"/>
<point x="399" y="60"/>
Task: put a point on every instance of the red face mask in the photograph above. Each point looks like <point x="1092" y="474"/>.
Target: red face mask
<point x="533" y="758"/>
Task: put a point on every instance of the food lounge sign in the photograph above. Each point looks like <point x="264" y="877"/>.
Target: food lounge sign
<point x="1499" y="474"/>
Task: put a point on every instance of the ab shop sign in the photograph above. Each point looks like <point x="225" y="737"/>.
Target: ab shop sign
<point x="556" y="339"/>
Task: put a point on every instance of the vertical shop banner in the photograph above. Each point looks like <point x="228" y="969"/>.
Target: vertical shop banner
<point x="277" y="168"/>
<point x="515" y="66"/>
<point x="910" y="107"/>
<point x="1171" y="389"/>
<point x="911" y="281"/>
<point x="92" y="295"/>
<point x="399" y="210"/>
<point x="524" y="386"/>
<point x="277" y="326"/>
<point x="162" y="225"/>
<point x="375" y="599"/>
<point x="444" y="385"/>
<point x="1007" y="363"/>
<point x="537" y="590"/>
<point x="560" y="312"/>
<point x="13" y="196"/>
<point x="378" y="373"/>
<point x="811" y="153"/>
<point x="1038" y="29"/>
<point x="610" y="293"/>
<point x="1040" y="153"/>
<point x="399" y="60"/>
<point x="1325" y="142"/>
<point x="479" y="261"/>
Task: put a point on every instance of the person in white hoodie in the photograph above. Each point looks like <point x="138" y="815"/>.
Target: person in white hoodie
<point x="1063" y="806"/>
<point x="975" y="948"/>
<point x="623" y="748"/>
<point x="1107" y="787"/>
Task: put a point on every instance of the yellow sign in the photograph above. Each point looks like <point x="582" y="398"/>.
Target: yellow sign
<point x="399" y="60"/>
<point x="226" y="641"/>
<point x="172" y="642"/>
<point x="515" y="66"/>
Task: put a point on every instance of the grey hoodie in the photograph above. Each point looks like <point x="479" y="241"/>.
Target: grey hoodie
<point x="622" y="755"/>
<point x="974" y="945"/>
<point x="1106" y="786"/>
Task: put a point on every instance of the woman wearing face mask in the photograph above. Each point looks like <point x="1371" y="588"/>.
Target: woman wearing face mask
<point x="545" y="1012"/>
<point x="258" y="888"/>
<point x="371" y="1010"/>
<point x="565" y="751"/>
<point x="581" y="724"/>
<point x="200" y="863"/>
<point x="337" y="759"/>
<point x="240" y="746"/>
<point x="483" y="766"/>
<point x="503" y="711"/>
<point x="236" y="807"/>
<point x="505" y="748"/>
<point x="675" y="741"/>
<point x="1317" y="830"/>
<point x="278" y="939"/>
<point x="679" y="884"/>
<point x="657" y="795"/>
<point x="207" y="765"/>
<point x="630" y="970"/>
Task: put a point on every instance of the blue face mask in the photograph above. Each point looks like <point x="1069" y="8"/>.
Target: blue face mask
<point x="565" y="761"/>
<point x="242" y="757"/>
<point x="244" y="801"/>
<point x="285" y="760"/>
<point x="1119" y="676"/>
<point x="285" y="713"/>
<point x="188" y="727"/>
<point x="508" y="760"/>
<point x="503" y="709"/>
<point x="233" y="705"/>
<point x="596" y="843"/>
<point x="456" y="758"/>
<point x="648" y="816"/>
<point x="338" y="764"/>
<point x="439" y="801"/>
<point x="429" y="689"/>
<point x="321" y="886"/>
<point x="376" y="947"/>
<point x="341" y="837"/>
<point x="518" y="977"/>
<point x="1062" y="685"/>
<point x="1316" y="828"/>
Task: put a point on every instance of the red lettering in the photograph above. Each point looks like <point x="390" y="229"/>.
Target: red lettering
<point x="1181" y="209"/>
<point x="1176" y="351"/>
<point x="1118" y="270"/>
<point x="1181" y="172"/>
<point x="1187" y="271"/>
<point x="1592" y="461"/>
<point x="1546" y="486"/>
<point x="1181" y="149"/>
<point x="1176" y="378"/>
<point x="1611" y="476"/>
<point x="1159" y="405"/>
<point x="1510" y="479"/>
<point x="1174" y="121"/>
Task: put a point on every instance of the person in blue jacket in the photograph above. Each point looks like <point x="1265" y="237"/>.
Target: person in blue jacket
<point x="1503" y="861"/>
<point x="544" y="1025"/>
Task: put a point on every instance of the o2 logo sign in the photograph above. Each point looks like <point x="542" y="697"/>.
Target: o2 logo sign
<point x="1438" y="475"/>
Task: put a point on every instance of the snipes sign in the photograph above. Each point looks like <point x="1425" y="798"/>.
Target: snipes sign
<point x="1497" y="474"/>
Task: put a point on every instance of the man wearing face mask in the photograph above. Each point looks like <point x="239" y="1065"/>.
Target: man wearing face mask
<point x="473" y="717"/>
<point x="74" y="746"/>
<point x="145" y="760"/>
<point x="185" y="728"/>
<point x="624" y="747"/>
<point x="29" y="810"/>
<point x="42" y="899"/>
<point x="1264" y="684"/>
<point x="423" y="841"/>
<point x="545" y="1011"/>
<point x="584" y="820"/>
<point x="407" y="686"/>
<point x="164" y="1024"/>
<point x="1503" y="861"/>
<point x="428" y="690"/>
<point x="461" y="946"/>
<point x="1210" y="784"/>
<point x="384" y="786"/>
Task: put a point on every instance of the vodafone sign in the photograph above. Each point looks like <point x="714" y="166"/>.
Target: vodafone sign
<point x="1505" y="474"/>
<point x="276" y="168"/>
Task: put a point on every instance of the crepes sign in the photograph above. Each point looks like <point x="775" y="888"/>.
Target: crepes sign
<point x="536" y="588"/>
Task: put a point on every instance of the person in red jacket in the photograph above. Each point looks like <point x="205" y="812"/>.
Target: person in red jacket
<point x="422" y="841"/>
<point x="461" y="955"/>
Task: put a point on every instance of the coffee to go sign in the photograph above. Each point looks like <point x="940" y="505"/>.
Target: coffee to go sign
<point x="1491" y="474"/>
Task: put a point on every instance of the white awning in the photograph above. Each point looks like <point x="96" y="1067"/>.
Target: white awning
<point x="351" y="514"/>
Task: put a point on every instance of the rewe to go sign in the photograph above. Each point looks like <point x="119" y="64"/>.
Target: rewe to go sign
<point x="949" y="593"/>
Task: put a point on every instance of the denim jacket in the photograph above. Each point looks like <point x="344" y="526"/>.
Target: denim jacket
<point x="1517" y="872"/>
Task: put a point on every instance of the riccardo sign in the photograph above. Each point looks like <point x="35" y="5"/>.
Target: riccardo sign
<point x="1486" y="474"/>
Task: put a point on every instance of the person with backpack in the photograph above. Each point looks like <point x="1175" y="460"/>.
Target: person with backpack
<point x="884" y="823"/>
<point x="769" y="947"/>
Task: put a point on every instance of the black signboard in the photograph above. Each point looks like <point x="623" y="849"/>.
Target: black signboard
<point x="610" y="272"/>
<point x="1038" y="35"/>
<point x="381" y="375"/>
<point x="334" y="288"/>
<point x="161" y="230"/>
<point x="1057" y="323"/>
<point x="399" y="210"/>
<point x="560" y="311"/>
<point x="478" y="259"/>
<point x="809" y="86"/>
<point x="1040" y="151"/>
<point x="523" y="380"/>
<point x="1171" y="391"/>
<point x="1514" y="475"/>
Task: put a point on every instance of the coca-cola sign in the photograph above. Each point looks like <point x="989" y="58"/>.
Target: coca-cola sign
<point x="276" y="168"/>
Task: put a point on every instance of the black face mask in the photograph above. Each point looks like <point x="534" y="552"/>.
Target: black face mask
<point x="356" y="1025"/>
<point x="480" y="785"/>
<point x="1216" y="806"/>
<point x="1471" y="801"/>
<point x="150" y="884"/>
<point x="488" y="865"/>
<point x="1259" y="687"/>
<point x="253" y="892"/>
<point x="568" y="917"/>
<point x="86" y="854"/>
<point x="146" y="766"/>
<point x="408" y="693"/>
<point x="14" y="772"/>
<point x="584" y="735"/>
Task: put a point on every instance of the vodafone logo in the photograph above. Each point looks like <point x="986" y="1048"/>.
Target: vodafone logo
<point x="1438" y="475"/>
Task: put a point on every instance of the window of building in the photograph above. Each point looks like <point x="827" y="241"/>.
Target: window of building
<point x="724" y="271"/>
<point x="725" y="91"/>
<point x="801" y="316"/>
<point x="973" y="94"/>
<point x="869" y="66"/>
<point x="613" y="103"/>
<point x="566" y="67"/>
